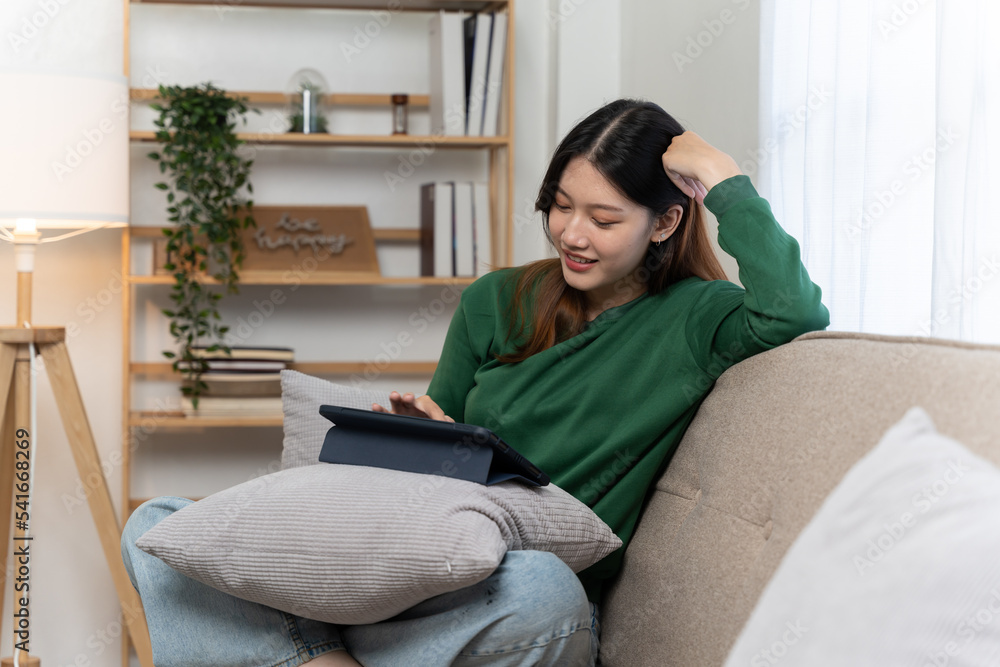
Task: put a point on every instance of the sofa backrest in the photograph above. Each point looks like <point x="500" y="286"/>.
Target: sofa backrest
<point x="769" y="443"/>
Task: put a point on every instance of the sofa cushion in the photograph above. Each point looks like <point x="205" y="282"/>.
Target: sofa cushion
<point x="769" y="443"/>
<point x="899" y="566"/>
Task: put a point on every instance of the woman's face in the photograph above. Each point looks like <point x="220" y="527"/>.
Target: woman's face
<point x="601" y="237"/>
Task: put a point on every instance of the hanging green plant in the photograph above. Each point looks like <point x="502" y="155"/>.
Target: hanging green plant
<point x="205" y="179"/>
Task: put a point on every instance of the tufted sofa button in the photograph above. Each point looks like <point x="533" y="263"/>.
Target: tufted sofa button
<point x="767" y="529"/>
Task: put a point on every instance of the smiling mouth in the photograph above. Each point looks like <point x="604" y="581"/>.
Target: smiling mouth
<point x="577" y="258"/>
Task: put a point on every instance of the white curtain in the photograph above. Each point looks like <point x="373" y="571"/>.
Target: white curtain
<point x="880" y="152"/>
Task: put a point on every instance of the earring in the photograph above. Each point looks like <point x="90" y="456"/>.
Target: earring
<point x="661" y="239"/>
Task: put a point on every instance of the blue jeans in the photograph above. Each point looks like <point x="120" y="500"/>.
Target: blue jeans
<point x="531" y="611"/>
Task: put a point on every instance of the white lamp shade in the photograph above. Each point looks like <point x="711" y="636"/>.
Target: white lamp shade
<point x="64" y="150"/>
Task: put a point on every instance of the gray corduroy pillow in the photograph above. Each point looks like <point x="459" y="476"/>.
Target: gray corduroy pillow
<point x="305" y="428"/>
<point x="353" y="544"/>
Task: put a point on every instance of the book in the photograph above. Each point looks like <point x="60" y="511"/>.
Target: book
<point x="494" y="77"/>
<point x="239" y="365"/>
<point x="465" y="262"/>
<point x="468" y="49"/>
<point x="482" y="228"/>
<point x="220" y="383"/>
<point x="436" y="230"/>
<point x="213" y="406"/>
<point x="246" y="352"/>
<point x="482" y="24"/>
<point x="447" y="73"/>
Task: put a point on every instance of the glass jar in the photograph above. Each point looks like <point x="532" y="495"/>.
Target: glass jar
<point x="307" y="92"/>
<point x="400" y="113"/>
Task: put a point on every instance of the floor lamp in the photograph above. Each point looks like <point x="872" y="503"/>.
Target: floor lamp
<point x="63" y="167"/>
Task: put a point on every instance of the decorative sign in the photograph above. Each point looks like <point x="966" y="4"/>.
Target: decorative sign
<point x="304" y="240"/>
<point x="311" y="238"/>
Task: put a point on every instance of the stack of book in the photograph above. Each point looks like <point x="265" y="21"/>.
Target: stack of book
<point x="244" y="383"/>
<point x="466" y="72"/>
<point x="455" y="230"/>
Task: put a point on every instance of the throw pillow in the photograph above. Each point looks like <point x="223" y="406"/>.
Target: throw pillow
<point x="305" y="428"/>
<point x="898" y="567"/>
<point x="352" y="544"/>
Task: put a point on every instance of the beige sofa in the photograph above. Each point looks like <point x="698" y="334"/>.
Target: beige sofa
<point x="770" y="442"/>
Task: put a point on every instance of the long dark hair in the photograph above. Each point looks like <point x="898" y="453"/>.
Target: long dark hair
<point x="625" y="141"/>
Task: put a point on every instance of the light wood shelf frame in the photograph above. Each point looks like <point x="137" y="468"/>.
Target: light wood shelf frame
<point x="254" y="97"/>
<point x="264" y="139"/>
<point x="403" y="5"/>
<point x="162" y="370"/>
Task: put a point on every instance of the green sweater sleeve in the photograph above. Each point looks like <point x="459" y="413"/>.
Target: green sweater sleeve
<point x="778" y="301"/>
<point x="474" y="327"/>
<point x="455" y="374"/>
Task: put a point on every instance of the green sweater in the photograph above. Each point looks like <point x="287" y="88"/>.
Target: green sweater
<point x="603" y="412"/>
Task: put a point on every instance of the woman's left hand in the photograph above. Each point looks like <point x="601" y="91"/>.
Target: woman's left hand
<point x="695" y="166"/>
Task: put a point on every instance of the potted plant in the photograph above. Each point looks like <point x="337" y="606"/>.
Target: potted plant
<point x="206" y="177"/>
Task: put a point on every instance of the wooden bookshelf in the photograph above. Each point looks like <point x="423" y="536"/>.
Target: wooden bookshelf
<point x="141" y="291"/>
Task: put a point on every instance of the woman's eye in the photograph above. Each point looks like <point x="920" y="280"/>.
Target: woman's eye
<point x="562" y="207"/>
<point x="603" y="225"/>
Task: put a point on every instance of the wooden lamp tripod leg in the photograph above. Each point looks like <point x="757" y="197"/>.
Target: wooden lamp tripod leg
<point x="15" y="373"/>
<point x="88" y="464"/>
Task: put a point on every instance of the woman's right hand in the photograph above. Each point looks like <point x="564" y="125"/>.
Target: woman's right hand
<point x="413" y="406"/>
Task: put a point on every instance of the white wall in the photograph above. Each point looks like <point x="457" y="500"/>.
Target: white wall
<point x="700" y="62"/>
<point x="572" y="55"/>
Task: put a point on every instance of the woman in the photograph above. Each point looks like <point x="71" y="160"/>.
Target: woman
<point x="591" y="365"/>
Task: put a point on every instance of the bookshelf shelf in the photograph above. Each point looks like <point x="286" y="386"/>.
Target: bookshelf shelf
<point x="403" y="5"/>
<point x="385" y="234"/>
<point x="163" y="370"/>
<point x="264" y="139"/>
<point x="281" y="278"/>
<point x="270" y="97"/>
<point x="178" y="421"/>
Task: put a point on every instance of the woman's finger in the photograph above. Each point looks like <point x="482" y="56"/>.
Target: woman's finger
<point x="680" y="182"/>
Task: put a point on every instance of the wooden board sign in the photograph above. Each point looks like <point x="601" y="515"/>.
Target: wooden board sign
<point x="303" y="239"/>
<point x="311" y="238"/>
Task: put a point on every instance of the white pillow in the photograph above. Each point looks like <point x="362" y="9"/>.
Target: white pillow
<point x="900" y="566"/>
<point x="304" y="427"/>
<point x="352" y="544"/>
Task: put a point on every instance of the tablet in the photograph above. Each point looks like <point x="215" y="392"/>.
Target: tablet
<point x="419" y="444"/>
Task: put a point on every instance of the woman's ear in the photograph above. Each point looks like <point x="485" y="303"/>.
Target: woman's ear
<point x="667" y="224"/>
